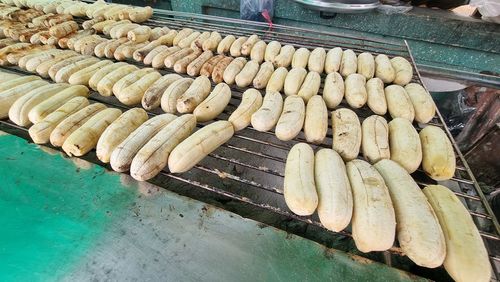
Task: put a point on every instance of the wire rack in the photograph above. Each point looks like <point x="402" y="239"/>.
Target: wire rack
<point x="249" y="168"/>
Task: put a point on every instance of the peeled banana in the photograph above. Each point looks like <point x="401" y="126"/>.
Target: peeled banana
<point x="153" y="156"/>
<point x="117" y="131"/>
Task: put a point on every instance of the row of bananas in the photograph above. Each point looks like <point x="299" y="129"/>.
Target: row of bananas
<point x="358" y="79"/>
<point x="61" y="114"/>
<point x="99" y="10"/>
<point x="382" y="202"/>
<point x="377" y="139"/>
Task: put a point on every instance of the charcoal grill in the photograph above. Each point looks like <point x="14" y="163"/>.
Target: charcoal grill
<point x="248" y="170"/>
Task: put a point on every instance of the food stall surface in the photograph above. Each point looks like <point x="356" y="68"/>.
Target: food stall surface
<point x="68" y="219"/>
<point x="124" y="230"/>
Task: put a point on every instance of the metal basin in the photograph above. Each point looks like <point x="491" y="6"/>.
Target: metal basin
<point x="340" y="6"/>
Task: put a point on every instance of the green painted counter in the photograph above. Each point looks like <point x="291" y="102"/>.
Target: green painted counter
<point x="67" y="219"/>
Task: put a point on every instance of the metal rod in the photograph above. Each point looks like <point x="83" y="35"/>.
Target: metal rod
<point x="224" y="174"/>
<point x="288" y="38"/>
<point x="259" y="168"/>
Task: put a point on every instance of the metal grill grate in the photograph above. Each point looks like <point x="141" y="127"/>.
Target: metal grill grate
<point x="249" y="168"/>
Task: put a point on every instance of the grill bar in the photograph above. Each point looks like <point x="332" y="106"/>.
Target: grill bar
<point x="260" y="168"/>
<point x="239" y="179"/>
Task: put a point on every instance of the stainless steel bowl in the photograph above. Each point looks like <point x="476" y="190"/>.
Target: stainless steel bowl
<point x="340" y="6"/>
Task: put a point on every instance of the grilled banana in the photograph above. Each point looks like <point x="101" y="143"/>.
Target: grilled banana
<point x="419" y="233"/>
<point x="247" y="74"/>
<point x="349" y="63"/>
<point x="102" y="72"/>
<point x="8" y="97"/>
<point x="235" y="49"/>
<point x="316" y="60"/>
<point x="263" y="75"/>
<point x="466" y="256"/>
<point x="41" y="110"/>
<point x="403" y="71"/>
<point x="422" y="102"/>
<point x="117" y="131"/>
<point x="194" y="67"/>
<point x="375" y="139"/>
<point x="355" y="90"/>
<point x="105" y="85"/>
<point x="333" y="90"/>
<point x="292" y="118"/>
<point x="376" y="96"/>
<point x="284" y="59"/>
<point x="277" y="80"/>
<point x="43" y="68"/>
<point x="334" y="190"/>
<point x="316" y="121"/>
<point x="384" y="69"/>
<point x="399" y="103"/>
<point x="152" y="97"/>
<point x="194" y="95"/>
<point x="310" y="86"/>
<point x="438" y="157"/>
<point x="225" y="44"/>
<point x="172" y="93"/>
<point x="197" y="146"/>
<point x="85" y="138"/>
<point x="214" y="104"/>
<point x="8" y="84"/>
<point x="72" y="122"/>
<point x="300" y="58"/>
<point x="272" y="50"/>
<point x="266" y="117"/>
<point x="40" y="132"/>
<point x="366" y="65"/>
<point x="153" y="157"/>
<point x="299" y="185"/>
<point x="133" y="93"/>
<point x="65" y="73"/>
<point x="18" y="112"/>
<point x="346" y="131"/>
<point x="83" y="76"/>
<point x="251" y="101"/>
<point x="373" y="219"/>
<point x="123" y="154"/>
<point x="333" y="60"/>
<point x="404" y="144"/>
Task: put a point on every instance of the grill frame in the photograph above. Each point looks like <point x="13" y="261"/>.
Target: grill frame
<point x="273" y="150"/>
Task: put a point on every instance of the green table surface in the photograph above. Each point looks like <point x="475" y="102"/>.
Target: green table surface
<point x="68" y="219"/>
